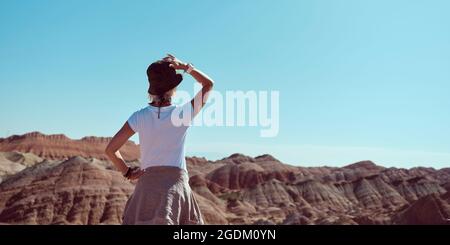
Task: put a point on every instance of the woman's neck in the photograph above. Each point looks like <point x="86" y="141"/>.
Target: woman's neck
<point x="163" y="104"/>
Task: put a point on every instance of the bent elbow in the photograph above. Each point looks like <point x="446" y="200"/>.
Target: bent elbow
<point x="209" y="86"/>
<point x="108" y="151"/>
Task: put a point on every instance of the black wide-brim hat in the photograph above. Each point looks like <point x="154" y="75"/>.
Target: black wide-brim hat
<point x="162" y="78"/>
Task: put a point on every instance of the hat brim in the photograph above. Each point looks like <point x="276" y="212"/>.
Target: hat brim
<point x="161" y="88"/>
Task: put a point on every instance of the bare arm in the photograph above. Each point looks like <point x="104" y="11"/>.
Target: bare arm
<point x="112" y="150"/>
<point x="207" y="83"/>
<point x="202" y="96"/>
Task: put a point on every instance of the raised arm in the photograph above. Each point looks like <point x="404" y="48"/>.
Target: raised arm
<point x="207" y="83"/>
<point x="202" y="96"/>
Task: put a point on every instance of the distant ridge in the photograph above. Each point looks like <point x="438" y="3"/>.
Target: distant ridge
<point x="59" y="146"/>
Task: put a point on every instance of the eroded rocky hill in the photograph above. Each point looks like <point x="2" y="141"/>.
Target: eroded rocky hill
<point x="76" y="185"/>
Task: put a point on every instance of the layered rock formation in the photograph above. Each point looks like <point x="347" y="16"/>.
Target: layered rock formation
<point x="75" y="191"/>
<point x="59" y="146"/>
<point x="432" y="209"/>
<point x="14" y="162"/>
<point x="58" y="188"/>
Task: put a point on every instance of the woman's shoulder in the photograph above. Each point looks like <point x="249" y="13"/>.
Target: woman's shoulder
<point x="141" y="110"/>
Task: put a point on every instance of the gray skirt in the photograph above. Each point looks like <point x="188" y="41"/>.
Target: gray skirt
<point x="162" y="197"/>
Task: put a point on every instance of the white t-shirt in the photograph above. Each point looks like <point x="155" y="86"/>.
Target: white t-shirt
<point x="161" y="141"/>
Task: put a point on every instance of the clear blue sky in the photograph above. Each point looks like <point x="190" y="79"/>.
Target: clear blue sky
<point x="357" y="79"/>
